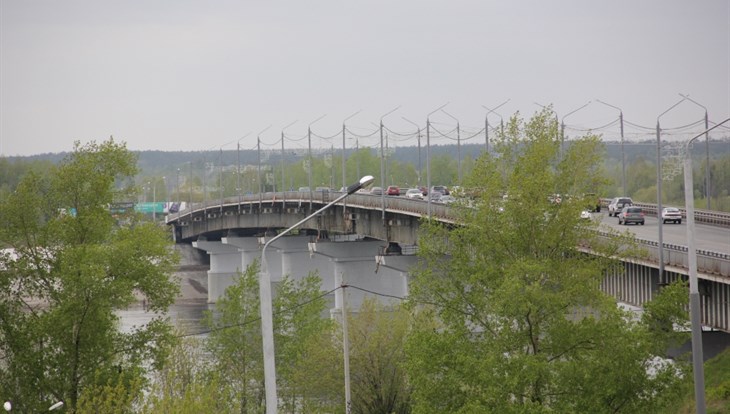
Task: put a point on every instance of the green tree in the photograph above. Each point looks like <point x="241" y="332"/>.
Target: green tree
<point x="515" y="320"/>
<point x="377" y="338"/>
<point x="72" y="266"/>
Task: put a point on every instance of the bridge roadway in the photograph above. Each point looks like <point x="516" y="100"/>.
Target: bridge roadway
<point x="241" y="222"/>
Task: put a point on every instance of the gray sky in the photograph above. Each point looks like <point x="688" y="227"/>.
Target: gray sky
<point x="194" y="75"/>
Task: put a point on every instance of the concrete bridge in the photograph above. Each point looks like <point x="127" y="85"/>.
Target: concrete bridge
<point x="370" y="242"/>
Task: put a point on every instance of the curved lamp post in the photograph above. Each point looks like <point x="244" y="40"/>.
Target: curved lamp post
<point x="418" y="135"/>
<point x="267" y="324"/>
<point x="309" y="155"/>
<point x="238" y="170"/>
<point x="458" y="144"/>
<point x="623" y="154"/>
<point x="428" y="157"/>
<point x="562" y="127"/>
<point x="707" y="149"/>
<point x="659" y="192"/>
<point x="486" y="121"/>
<point x="694" y="295"/>
<point x="382" y="163"/>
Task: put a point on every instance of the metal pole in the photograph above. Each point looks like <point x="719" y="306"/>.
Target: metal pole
<point x="428" y="158"/>
<point x="418" y="135"/>
<point x="267" y="323"/>
<point x="623" y="153"/>
<point x="238" y="173"/>
<point x="177" y="188"/>
<point x="486" y="120"/>
<point x="345" y="339"/>
<point x="190" y="190"/>
<point x="382" y="165"/>
<point x="707" y="150"/>
<point x="694" y="295"/>
<point x="309" y="154"/>
<point x="659" y="180"/>
<point x="562" y="126"/>
<point x="458" y="146"/>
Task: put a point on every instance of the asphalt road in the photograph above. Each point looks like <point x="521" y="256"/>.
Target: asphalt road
<point x="712" y="238"/>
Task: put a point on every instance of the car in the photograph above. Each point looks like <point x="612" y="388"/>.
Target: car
<point x="414" y="193"/>
<point x="617" y="204"/>
<point x="376" y="191"/>
<point x="322" y="189"/>
<point x="631" y="214"/>
<point x="303" y="189"/>
<point x="424" y="191"/>
<point x="441" y="189"/>
<point x="672" y="214"/>
<point x="435" y="196"/>
<point x="585" y="215"/>
<point x="392" y="190"/>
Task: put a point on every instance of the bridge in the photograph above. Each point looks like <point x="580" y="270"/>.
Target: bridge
<point x="370" y="241"/>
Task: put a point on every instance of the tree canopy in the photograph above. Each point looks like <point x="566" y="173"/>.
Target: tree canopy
<point x="69" y="265"/>
<point x="515" y="320"/>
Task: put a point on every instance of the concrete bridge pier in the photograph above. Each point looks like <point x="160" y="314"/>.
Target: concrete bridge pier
<point x="355" y="262"/>
<point x="225" y="262"/>
<point x="400" y="264"/>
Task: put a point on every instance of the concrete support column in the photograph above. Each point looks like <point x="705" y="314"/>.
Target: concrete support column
<point x="225" y="262"/>
<point x="355" y="261"/>
<point x="401" y="265"/>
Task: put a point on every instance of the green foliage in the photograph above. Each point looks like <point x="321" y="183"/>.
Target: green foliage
<point x="73" y="266"/>
<point x="516" y="321"/>
<point x="377" y="357"/>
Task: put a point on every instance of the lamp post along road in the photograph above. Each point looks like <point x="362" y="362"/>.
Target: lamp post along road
<point x="562" y="127"/>
<point x="707" y="150"/>
<point x="267" y="322"/>
<point x="428" y="158"/>
<point x="659" y="180"/>
<point x="486" y="121"/>
<point x="623" y="154"/>
<point x="458" y="145"/>
<point x="309" y="159"/>
<point x="418" y="136"/>
<point x="694" y="295"/>
<point x="382" y="164"/>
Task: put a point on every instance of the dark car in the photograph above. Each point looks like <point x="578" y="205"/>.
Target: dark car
<point x="631" y="214"/>
<point x="441" y="189"/>
<point x="392" y="190"/>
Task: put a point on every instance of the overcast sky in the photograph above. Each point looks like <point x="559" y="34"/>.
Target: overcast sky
<point x="193" y="75"/>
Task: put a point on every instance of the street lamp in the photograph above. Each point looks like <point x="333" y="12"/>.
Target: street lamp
<point x="694" y="295"/>
<point x="707" y="149"/>
<point x="458" y="144"/>
<point x="418" y="129"/>
<point x="562" y="126"/>
<point x="428" y="158"/>
<point x="267" y="324"/>
<point x="258" y="151"/>
<point x="238" y="170"/>
<point x="623" y="156"/>
<point x="659" y="192"/>
<point x="486" y="121"/>
<point x="382" y="163"/>
<point x="309" y="155"/>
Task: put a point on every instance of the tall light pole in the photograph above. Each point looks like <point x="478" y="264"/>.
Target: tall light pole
<point x="177" y="188"/>
<point x="707" y="150"/>
<point x="382" y="165"/>
<point x="283" y="155"/>
<point x="258" y="169"/>
<point x="309" y="156"/>
<point x="267" y="323"/>
<point x="694" y="295"/>
<point x="659" y="192"/>
<point x="623" y="154"/>
<point x="486" y="121"/>
<point x="458" y="144"/>
<point x="418" y="135"/>
<point x="220" y="173"/>
<point x="344" y="175"/>
<point x="428" y="157"/>
<point x="562" y="127"/>
<point x="239" y="188"/>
